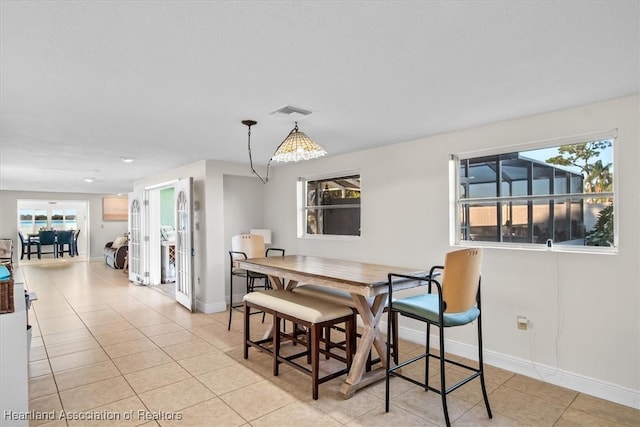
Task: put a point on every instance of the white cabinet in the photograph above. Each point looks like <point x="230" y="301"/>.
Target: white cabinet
<point x="14" y="386"/>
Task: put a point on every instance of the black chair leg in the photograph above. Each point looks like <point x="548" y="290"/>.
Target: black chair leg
<point x="443" y="385"/>
<point x="247" y="330"/>
<point x="390" y="320"/>
<point x="481" y="367"/>
<point x="428" y="358"/>
<point x="230" y="298"/>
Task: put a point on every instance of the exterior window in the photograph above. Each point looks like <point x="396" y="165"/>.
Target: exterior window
<point x="64" y="219"/>
<point x="27" y="221"/>
<point x="559" y="195"/>
<point x="332" y="206"/>
<point x="32" y="220"/>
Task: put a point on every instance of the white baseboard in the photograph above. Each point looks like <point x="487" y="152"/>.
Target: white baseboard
<point x="215" y="307"/>
<point x="571" y="380"/>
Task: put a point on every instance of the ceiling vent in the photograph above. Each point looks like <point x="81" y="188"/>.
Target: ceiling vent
<point x="291" y="112"/>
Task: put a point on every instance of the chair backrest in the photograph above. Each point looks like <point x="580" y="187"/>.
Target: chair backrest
<point x="461" y="278"/>
<point x="47" y="237"/>
<point x="64" y="237"/>
<point x="250" y="244"/>
<point x="21" y="236"/>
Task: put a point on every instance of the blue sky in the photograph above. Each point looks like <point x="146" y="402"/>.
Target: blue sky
<point x="543" y="154"/>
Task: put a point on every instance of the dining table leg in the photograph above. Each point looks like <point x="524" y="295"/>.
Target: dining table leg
<point x="371" y="337"/>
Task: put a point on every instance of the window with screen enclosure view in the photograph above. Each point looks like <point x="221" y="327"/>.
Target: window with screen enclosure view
<point x="332" y="206"/>
<point x="559" y="195"/>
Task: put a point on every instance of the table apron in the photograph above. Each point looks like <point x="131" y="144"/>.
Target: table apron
<point x="301" y="278"/>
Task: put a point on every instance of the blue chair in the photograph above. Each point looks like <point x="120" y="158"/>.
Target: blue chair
<point x="47" y="238"/>
<point x="456" y="302"/>
<point x="65" y="238"/>
<point x="26" y="245"/>
<point x="76" y="233"/>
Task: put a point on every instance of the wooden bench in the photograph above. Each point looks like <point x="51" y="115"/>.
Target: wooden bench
<point x="337" y="296"/>
<point x="303" y="310"/>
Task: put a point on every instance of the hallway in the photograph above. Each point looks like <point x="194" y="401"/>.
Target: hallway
<point x="123" y="354"/>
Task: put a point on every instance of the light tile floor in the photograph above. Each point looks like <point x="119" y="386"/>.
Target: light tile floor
<point x="129" y="355"/>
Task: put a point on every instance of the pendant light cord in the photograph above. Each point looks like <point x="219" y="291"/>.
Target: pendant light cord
<point x="266" y="179"/>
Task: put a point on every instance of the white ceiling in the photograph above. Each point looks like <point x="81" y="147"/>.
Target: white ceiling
<point x="168" y="83"/>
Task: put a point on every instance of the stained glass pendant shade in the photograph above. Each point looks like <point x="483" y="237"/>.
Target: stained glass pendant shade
<point x="295" y="147"/>
<point x="298" y="146"/>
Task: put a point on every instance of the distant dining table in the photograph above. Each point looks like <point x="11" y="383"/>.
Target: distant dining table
<point x="366" y="283"/>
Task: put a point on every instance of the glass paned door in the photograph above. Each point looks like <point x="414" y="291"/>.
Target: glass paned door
<point x="185" y="293"/>
<point x="136" y="238"/>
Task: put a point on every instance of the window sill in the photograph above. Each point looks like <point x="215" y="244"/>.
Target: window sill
<point x="328" y="237"/>
<point x="591" y="250"/>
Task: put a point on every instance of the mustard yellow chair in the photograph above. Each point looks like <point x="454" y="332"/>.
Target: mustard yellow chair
<point x="452" y="300"/>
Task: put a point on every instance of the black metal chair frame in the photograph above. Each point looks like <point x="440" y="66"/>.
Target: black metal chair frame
<point x="250" y="277"/>
<point x="443" y="390"/>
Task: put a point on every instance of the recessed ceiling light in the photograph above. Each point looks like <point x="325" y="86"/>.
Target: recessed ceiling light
<point x="126" y="159"/>
<point x="88" y="180"/>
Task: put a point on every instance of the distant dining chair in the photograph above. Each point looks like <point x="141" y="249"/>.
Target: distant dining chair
<point x="6" y="251"/>
<point x="245" y="246"/>
<point x="64" y="238"/>
<point x="76" y="233"/>
<point x="455" y="302"/>
<point x="26" y="244"/>
<point x="47" y="238"/>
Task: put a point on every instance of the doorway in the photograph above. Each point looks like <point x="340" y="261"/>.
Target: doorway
<point x="147" y="235"/>
<point x="162" y="239"/>
<point x="58" y="215"/>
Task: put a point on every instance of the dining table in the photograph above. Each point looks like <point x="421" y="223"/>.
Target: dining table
<point x="33" y="238"/>
<point x="366" y="283"/>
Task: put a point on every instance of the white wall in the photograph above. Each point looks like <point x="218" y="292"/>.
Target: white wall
<point x="243" y="210"/>
<point x="584" y="308"/>
<point x="217" y="247"/>
<point x="211" y="248"/>
<point x="100" y="232"/>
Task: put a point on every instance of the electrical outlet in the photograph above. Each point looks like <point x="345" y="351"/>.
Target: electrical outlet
<point x="523" y="323"/>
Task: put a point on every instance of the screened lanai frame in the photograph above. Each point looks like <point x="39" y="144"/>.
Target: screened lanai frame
<point x="532" y="204"/>
<point x="532" y="201"/>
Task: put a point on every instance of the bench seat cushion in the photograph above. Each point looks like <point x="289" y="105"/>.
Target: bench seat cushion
<point x="303" y="307"/>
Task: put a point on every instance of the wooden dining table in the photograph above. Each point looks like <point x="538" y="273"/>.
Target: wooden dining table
<point x="366" y="283"/>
